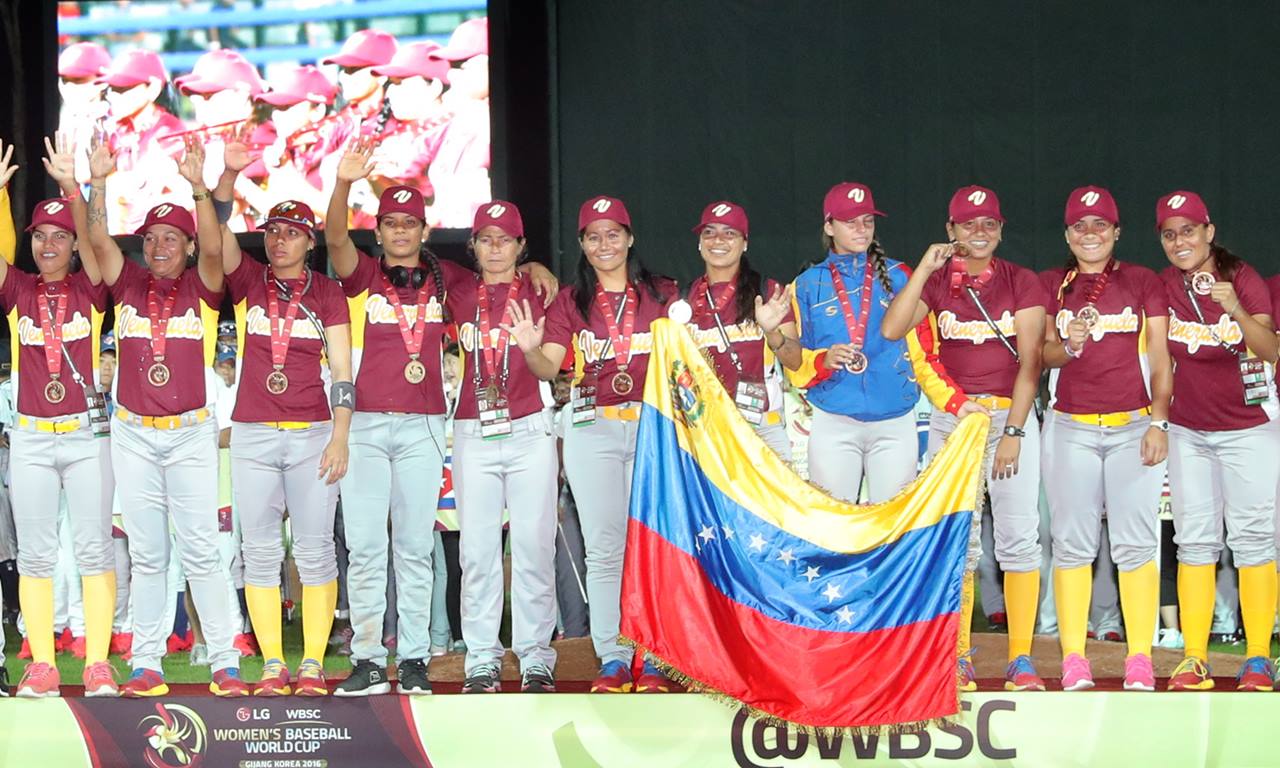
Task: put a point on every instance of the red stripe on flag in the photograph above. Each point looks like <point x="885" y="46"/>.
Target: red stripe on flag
<point x="813" y="677"/>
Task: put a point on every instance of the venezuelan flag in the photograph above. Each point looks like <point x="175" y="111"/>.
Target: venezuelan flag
<point x="755" y="585"/>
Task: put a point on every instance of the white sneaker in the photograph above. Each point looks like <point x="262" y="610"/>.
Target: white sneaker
<point x="1171" y="638"/>
<point x="199" y="655"/>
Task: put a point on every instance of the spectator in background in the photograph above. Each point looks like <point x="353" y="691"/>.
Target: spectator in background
<point x="415" y="84"/>
<point x="459" y="171"/>
<point x="84" y="106"/>
<point x="298" y="99"/>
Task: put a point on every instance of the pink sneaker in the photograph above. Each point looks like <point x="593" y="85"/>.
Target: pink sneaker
<point x="1138" y="674"/>
<point x="1077" y="675"/>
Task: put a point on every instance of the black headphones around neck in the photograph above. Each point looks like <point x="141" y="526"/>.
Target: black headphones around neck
<point x="405" y="277"/>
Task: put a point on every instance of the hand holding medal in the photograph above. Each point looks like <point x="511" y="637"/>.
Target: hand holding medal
<point x="856" y="361"/>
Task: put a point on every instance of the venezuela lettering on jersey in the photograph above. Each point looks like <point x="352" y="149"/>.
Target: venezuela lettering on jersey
<point x="977" y="331"/>
<point x="1195" y="334"/>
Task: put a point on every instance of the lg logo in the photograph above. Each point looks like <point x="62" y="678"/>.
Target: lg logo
<point x="601" y="205"/>
<point x="497" y="210"/>
<point x="977" y="197"/>
<point x="1177" y="201"/>
<point x="163" y="210"/>
<point x="1090" y="198"/>
<point x="722" y="210"/>
<point x="402" y="196"/>
<point x="53" y="207"/>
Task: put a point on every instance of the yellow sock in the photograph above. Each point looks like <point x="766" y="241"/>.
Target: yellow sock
<point x="1140" y="603"/>
<point x="1021" y="597"/>
<point x="318" y="604"/>
<point x="35" y="598"/>
<point x="264" y="613"/>
<point x="1195" y="607"/>
<point x="1072" y="590"/>
<point x="1258" y="607"/>
<point x="99" y="610"/>
<point x="966" y="615"/>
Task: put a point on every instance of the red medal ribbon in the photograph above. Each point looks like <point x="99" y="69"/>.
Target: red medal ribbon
<point x="701" y="294"/>
<point x="482" y="320"/>
<point x="412" y="338"/>
<point x="960" y="276"/>
<point x="1095" y="288"/>
<point x="619" y="338"/>
<point x="280" y="336"/>
<point x="858" y="328"/>
<point x="160" y="317"/>
<point x="52" y="329"/>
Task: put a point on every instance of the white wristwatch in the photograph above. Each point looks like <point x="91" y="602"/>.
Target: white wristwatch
<point x="1163" y="426"/>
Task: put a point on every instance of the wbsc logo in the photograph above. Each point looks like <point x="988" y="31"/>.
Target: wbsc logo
<point x="757" y="750"/>
<point x="175" y="737"/>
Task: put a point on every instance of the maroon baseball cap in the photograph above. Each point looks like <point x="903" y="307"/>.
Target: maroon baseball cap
<point x="500" y="214"/>
<point x="402" y="199"/>
<point x="365" y="48"/>
<point x="83" y="60"/>
<point x="56" y="211"/>
<point x="415" y="60"/>
<point x="1181" y="202"/>
<point x="293" y="212"/>
<point x="848" y="200"/>
<point x="471" y="38"/>
<point x="603" y="207"/>
<point x="132" y="68"/>
<point x="173" y="215"/>
<point x="298" y="84"/>
<point x="220" y="70"/>
<point x="724" y="212"/>
<point x="973" y="202"/>
<point x="1091" y="201"/>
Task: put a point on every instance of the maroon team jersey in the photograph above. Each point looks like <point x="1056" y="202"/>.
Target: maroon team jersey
<point x="190" y="340"/>
<point x="305" y="399"/>
<point x="969" y="348"/>
<point x="587" y="340"/>
<point x="1208" y="394"/>
<point x="1273" y="287"/>
<point x="378" y="348"/>
<point x="524" y="397"/>
<point x="746" y="337"/>
<point x="1108" y="376"/>
<point x="81" y="328"/>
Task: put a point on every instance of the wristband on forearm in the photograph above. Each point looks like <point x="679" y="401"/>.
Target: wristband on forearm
<point x="342" y="395"/>
<point x="223" y="209"/>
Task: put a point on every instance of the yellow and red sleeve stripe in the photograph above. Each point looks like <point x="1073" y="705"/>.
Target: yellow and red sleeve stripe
<point x="813" y="369"/>
<point x="923" y="349"/>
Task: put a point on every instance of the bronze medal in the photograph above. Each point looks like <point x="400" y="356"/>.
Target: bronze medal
<point x="1202" y="283"/>
<point x="491" y="394"/>
<point x="623" y="383"/>
<point x="1088" y="315"/>
<point x="277" y="382"/>
<point x="158" y="374"/>
<point x="857" y="363"/>
<point x="415" y="371"/>
<point x="54" y="391"/>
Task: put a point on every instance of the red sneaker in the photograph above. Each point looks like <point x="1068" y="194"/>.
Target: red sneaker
<point x="652" y="680"/>
<point x="77" y="647"/>
<point x="39" y="681"/>
<point x="25" y="651"/>
<point x="144" y="684"/>
<point x="100" y="680"/>
<point x="180" y="643"/>
<point x="63" y="641"/>
<point x="246" y="644"/>
<point x="227" y="684"/>
<point x="614" y="677"/>
<point x="274" y="680"/>
<point x="310" y="680"/>
<point x="1191" y="674"/>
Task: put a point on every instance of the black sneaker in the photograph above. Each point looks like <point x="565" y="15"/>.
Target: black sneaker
<point x="537" y="679"/>
<point x="484" y="680"/>
<point x="367" y="679"/>
<point x="4" y="681"/>
<point x="412" y="674"/>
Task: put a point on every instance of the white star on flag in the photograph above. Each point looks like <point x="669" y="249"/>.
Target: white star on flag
<point x="811" y="573"/>
<point x="831" y="592"/>
<point x="845" y="615"/>
<point x="786" y="556"/>
<point x="757" y="542"/>
<point x="728" y="532"/>
<point x="708" y="534"/>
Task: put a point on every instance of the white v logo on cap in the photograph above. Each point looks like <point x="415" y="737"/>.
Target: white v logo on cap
<point x="722" y="209"/>
<point x="1177" y="201"/>
<point x="601" y="205"/>
<point x="856" y="194"/>
<point x="285" y="206"/>
<point x="495" y="210"/>
<point x="402" y="196"/>
<point x="53" y="207"/>
<point x="163" y="210"/>
<point x="1090" y="198"/>
<point x="977" y="197"/>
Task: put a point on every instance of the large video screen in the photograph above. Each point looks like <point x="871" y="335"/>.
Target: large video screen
<point x="295" y="81"/>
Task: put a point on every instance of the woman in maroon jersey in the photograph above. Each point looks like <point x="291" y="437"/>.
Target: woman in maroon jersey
<point x="1224" y="450"/>
<point x="166" y="435"/>
<point x="288" y="439"/>
<point x="1107" y="435"/>
<point x="990" y="317"/>
<point x="504" y="458"/>
<point x="604" y="319"/>
<point x="744" y="321"/>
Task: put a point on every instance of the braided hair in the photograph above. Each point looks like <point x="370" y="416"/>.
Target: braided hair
<point x="432" y="262"/>
<point x="585" y="281"/>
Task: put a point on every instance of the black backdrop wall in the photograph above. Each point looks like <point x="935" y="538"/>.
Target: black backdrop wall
<point x="672" y="104"/>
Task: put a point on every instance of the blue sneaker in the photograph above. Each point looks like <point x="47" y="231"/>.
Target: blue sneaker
<point x="614" y="677"/>
<point x="653" y="680"/>
<point x="1021" y="675"/>
<point x="1256" y="674"/>
<point x="966" y="675"/>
